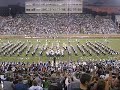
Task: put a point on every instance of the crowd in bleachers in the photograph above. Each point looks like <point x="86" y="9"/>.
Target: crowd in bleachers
<point x="80" y="75"/>
<point x="57" y="24"/>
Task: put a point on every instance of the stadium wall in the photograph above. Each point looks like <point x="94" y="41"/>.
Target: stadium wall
<point x="82" y="36"/>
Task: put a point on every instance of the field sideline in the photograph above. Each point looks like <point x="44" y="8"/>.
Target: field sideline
<point x="112" y="41"/>
<point x="43" y="36"/>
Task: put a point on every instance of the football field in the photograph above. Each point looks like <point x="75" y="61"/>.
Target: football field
<point x="35" y="50"/>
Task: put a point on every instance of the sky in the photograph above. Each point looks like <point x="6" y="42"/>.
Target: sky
<point x="105" y="2"/>
<point x="12" y="2"/>
<point x="22" y="2"/>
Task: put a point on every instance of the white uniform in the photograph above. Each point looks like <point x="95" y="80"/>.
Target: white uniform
<point x="35" y="88"/>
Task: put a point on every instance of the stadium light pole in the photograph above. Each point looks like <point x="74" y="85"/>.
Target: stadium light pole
<point x="9" y="11"/>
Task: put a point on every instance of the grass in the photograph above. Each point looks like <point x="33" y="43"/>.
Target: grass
<point x="110" y="42"/>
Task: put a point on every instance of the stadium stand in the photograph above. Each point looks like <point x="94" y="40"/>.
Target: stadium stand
<point x="57" y="24"/>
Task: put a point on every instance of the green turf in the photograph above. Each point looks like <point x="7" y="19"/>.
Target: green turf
<point x="113" y="43"/>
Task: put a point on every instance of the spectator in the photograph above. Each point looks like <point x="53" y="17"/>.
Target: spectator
<point x="116" y="84"/>
<point x="35" y="86"/>
<point x="100" y="85"/>
<point x="20" y="85"/>
<point x="8" y="84"/>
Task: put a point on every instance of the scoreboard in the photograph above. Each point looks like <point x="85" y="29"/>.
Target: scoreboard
<point x="54" y="6"/>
